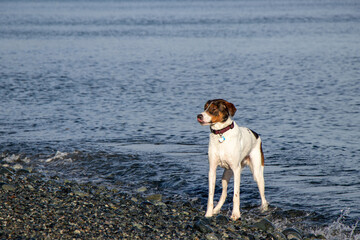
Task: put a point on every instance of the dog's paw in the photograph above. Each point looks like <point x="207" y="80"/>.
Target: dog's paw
<point x="264" y="207"/>
<point x="208" y="214"/>
<point x="235" y="216"/>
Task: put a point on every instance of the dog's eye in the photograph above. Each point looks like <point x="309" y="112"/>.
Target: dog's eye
<point x="214" y="111"/>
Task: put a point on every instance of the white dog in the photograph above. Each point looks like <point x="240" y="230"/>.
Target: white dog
<point x="232" y="147"/>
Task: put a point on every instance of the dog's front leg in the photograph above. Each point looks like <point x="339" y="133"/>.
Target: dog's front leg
<point x="212" y="179"/>
<point x="236" y="200"/>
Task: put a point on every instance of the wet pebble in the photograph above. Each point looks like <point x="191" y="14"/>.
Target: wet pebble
<point x="8" y="187"/>
<point x="81" y="194"/>
<point x="222" y="220"/>
<point x="5" y="171"/>
<point x="277" y="236"/>
<point x="201" y="226"/>
<point x="265" y="225"/>
<point x="292" y="233"/>
<point x="154" y="198"/>
<point x="141" y="189"/>
<point x="17" y="167"/>
<point x="211" y="236"/>
<point x="30" y="187"/>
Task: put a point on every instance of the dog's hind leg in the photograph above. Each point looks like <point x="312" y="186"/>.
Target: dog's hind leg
<point x="257" y="169"/>
<point x="225" y="181"/>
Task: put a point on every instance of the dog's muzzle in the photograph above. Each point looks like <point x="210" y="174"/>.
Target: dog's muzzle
<point x="200" y="118"/>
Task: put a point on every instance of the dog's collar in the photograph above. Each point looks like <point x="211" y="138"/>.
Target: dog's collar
<point x="222" y="131"/>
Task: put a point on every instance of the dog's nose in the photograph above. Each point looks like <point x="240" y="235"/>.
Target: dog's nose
<point x="200" y="117"/>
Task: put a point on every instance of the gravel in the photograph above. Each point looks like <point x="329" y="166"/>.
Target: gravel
<point x="34" y="207"/>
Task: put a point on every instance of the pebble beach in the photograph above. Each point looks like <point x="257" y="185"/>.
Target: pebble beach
<point x="35" y="207"/>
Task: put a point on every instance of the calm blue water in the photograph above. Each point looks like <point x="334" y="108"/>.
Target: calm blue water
<point x="115" y="87"/>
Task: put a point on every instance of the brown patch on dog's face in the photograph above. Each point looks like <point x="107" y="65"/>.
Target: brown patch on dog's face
<point x="219" y="110"/>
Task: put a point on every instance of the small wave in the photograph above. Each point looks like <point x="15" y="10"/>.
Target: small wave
<point x="14" y="158"/>
<point x="59" y="156"/>
<point x="340" y="230"/>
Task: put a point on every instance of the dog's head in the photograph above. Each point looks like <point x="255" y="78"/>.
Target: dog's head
<point x="217" y="110"/>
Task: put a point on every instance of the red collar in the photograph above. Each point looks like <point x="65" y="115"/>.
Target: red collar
<point x="222" y="131"/>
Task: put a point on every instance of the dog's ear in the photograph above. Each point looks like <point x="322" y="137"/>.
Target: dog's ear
<point x="207" y="104"/>
<point x="231" y="108"/>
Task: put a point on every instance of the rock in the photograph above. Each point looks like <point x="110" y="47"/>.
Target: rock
<point x="211" y="236"/>
<point x="265" y="225"/>
<point x="154" y="198"/>
<point x="222" y="220"/>
<point x="292" y="233"/>
<point x="146" y="204"/>
<point x="138" y="226"/>
<point x="8" y="187"/>
<point x="320" y="237"/>
<point x="188" y="204"/>
<point x="310" y="236"/>
<point x="30" y="187"/>
<point x="202" y="227"/>
<point x="251" y="237"/>
<point x="67" y="181"/>
<point x="161" y="204"/>
<point x="276" y="236"/>
<point x="141" y="189"/>
<point x="4" y="171"/>
<point x="17" y="166"/>
<point x="22" y="171"/>
<point x="81" y="194"/>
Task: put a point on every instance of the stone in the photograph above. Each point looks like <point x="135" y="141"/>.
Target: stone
<point x="5" y="171"/>
<point x="154" y="198"/>
<point x="211" y="236"/>
<point x="292" y="233"/>
<point x="146" y="204"/>
<point x="8" y="187"/>
<point x="222" y="220"/>
<point x="141" y="189"/>
<point x="265" y="225"/>
<point x="138" y="226"/>
<point x="161" y="204"/>
<point x="277" y="236"/>
<point x="202" y="227"/>
<point x="22" y="172"/>
<point x="81" y="194"/>
<point x="17" y="166"/>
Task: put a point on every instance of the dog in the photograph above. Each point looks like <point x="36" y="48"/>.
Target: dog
<point x="231" y="147"/>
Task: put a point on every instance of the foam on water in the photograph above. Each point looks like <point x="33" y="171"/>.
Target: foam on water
<point x="339" y="230"/>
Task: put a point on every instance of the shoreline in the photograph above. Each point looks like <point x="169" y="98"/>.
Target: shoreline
<point x="34" y="207"/>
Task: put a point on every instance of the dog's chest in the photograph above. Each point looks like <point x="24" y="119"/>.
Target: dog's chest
<point x="224" y="153"/>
